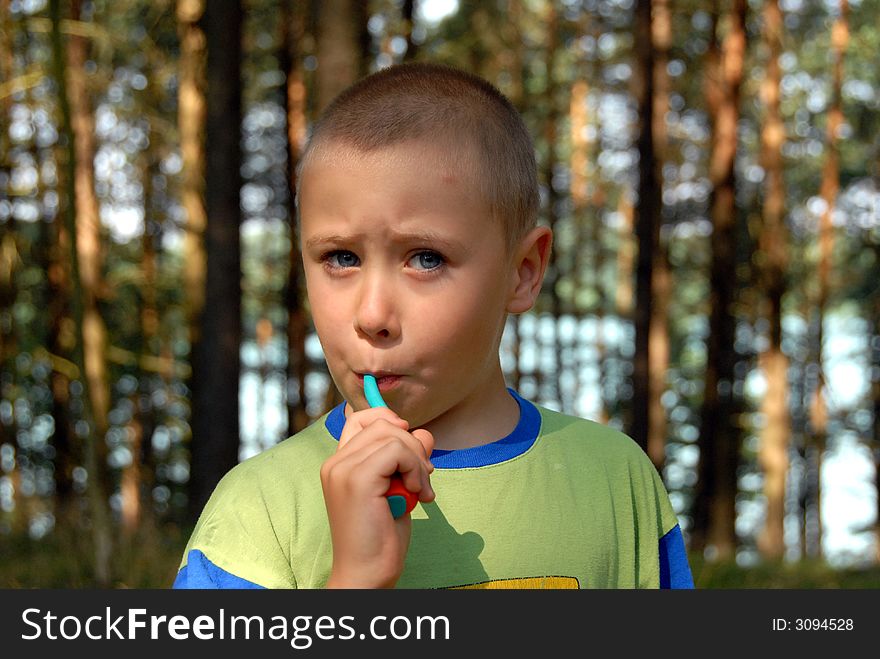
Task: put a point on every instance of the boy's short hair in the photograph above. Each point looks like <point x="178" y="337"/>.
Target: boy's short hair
<point x="448" y="106"/>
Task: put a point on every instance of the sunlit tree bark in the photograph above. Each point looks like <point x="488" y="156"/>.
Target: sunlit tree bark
<point x="829" y="190"/>
<point x="624" y="295"/>
<point x="587" y="194"/>
<point x="775" y="436"/>
<point x="191" y="123"/>
<point x="582" y="213"/>
<point x="83" y="225"/>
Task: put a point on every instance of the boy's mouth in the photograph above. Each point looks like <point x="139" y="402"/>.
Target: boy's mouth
<point x="386" y="381"/>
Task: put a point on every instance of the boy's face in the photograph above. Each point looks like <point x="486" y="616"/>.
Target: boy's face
<point x="407" y="274"/>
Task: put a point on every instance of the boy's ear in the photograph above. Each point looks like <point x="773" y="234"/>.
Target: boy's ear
<point x="529" y="266"/>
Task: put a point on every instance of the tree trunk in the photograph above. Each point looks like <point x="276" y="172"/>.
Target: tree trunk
<point x="549" y="383"/>
<point x="135" y="485"/>
<point x="875" y="398"/>
<point x="588" y="197"/>
<point x="9" y="250"/>
<point x="776" y="434"/>
<point x="516" y="94"/>
<point x="715" y="500"/>
<point x="83" y="225"/>
<point x="191" y="123"/>
<point x="407" y="14"/>
<point x="653" y="280"/>
<point x="829" y="189"/>
<point x="647" y="224"/>
<point x="293" y="31"/>
<point x="7" y="66"/>
<point x="581" y="217"/>
<point x="342" y="46"/>
<point x="580" y="161"/>
<point x="61" y="344"/>
<point x="661" y="280"/>
<point x="216" y="362"/>
<point x="623" y="296"/>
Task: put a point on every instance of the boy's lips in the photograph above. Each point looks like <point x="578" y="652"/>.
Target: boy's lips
<point x="385" y="380"/>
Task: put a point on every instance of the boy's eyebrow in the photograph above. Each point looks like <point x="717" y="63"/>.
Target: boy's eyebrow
<point x="326" y="239"/>
<point x="426" y="237"/>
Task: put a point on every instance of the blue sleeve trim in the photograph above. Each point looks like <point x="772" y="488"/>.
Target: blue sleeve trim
<point x="201" y="573"/>
<point x="675" y="572"/>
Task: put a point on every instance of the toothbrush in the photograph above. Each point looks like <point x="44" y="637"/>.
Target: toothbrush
<point x="400" y="500"/>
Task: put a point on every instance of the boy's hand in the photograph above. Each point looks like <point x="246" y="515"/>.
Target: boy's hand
<point x="369" y="545"/>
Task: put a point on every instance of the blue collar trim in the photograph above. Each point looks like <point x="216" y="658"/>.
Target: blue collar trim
<point x="516" y="443"/>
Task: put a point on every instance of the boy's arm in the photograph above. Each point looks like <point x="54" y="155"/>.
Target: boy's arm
<point x="234" y="544"/>
<point x="675" y="572"/>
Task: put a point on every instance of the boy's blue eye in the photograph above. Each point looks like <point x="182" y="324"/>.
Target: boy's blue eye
<point x="426" y="260"/>
<point x="342" y="259"/>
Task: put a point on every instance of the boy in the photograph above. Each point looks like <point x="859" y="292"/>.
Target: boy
<point x="418" y="203"/>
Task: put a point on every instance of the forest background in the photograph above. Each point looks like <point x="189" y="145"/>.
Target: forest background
<point x="711" y="170"/>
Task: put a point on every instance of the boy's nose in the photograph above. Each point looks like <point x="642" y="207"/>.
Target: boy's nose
<point x="375" y="316"/>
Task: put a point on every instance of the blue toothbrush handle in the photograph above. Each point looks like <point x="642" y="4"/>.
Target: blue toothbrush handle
<point x="400" y="500"/>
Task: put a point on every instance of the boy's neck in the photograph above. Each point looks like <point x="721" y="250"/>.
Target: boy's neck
<point x="488" y="415"/>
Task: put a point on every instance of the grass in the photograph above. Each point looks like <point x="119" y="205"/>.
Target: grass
<point x="810" y="574"/>
<point x="149" y="559"/>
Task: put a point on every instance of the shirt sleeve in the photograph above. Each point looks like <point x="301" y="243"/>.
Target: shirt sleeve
<point x="675" y="572"/>
<point x="200" y="573"/>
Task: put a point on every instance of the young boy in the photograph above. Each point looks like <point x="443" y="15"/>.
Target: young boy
<point x="418" y="203"/>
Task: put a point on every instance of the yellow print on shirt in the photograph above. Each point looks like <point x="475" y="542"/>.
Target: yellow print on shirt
<point x="528" y="582"/>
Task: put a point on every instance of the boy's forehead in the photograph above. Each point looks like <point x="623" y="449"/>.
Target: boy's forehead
<point x="433" y="176"/>
<point x="409" y="160"/>
<point x="431" y="152"/>
<point x="427" y="180"/>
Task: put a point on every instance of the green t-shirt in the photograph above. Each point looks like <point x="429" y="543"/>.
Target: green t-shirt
<point x="561" y="502"/>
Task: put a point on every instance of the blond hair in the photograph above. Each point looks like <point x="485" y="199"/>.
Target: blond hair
<point x="420" y="101"/>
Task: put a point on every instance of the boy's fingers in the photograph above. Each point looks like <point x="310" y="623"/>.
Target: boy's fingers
<point x="381" y="430"/>
<point x="357" y="421"/>
<point x="378" y="461"/>
<point x="398" y="458"/>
